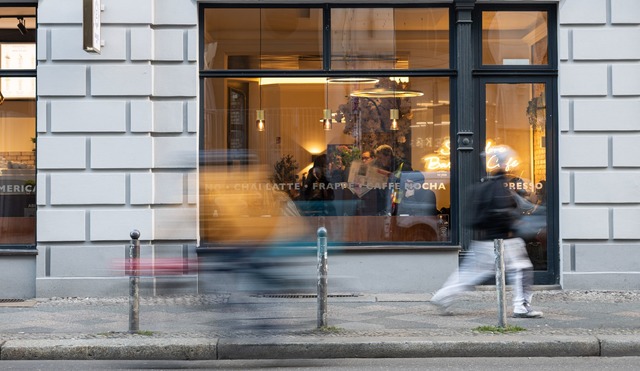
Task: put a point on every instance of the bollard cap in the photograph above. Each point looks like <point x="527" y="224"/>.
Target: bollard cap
<point x="322" y="232"/>
<point x="135" y="234"/>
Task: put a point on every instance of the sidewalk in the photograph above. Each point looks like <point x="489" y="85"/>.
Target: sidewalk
<point x="575" y="323"/>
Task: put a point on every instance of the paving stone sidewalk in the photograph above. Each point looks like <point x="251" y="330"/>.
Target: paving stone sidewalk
<point x="240" y="322"/>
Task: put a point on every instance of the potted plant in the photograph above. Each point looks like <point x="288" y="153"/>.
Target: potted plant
<point x="284" y="172"/>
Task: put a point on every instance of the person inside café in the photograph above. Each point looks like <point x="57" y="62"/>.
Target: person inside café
<point x="317" y="194"/>
<point x="366" y="157"/>
<point x="393" y="166"/>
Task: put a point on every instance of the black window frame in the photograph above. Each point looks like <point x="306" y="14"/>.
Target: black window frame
<point x="13" y="36"/>
<point x="548" y="74"/>
<point x="327" y="72"/>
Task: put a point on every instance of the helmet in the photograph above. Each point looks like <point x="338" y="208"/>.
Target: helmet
<point x="499" y="157"/>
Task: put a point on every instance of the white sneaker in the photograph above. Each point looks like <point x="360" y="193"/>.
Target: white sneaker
<point x="525" y="311"/>
<point x="442" y="305"/>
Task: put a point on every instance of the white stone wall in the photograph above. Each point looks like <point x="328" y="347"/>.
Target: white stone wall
<point x="117" y="140"/>
<point x="599" y="149"/>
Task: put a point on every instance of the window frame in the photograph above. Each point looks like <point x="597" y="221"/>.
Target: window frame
<point x="29" y="38"/>
<point x="327" y="72"/>
<point x="530" y="74"/>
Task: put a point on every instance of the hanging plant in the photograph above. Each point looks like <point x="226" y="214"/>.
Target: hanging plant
<point x="368" y="119"/>
<point x="535" y="105"/>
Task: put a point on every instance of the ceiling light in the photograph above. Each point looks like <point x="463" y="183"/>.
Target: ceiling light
<point x="352" y="80"/>
<point x="327" y="121"/>
<point x="22" y="27"/>
<point x="386" y="93"/>
<point x="260" y="120"/>
<point x="395" y="115"/>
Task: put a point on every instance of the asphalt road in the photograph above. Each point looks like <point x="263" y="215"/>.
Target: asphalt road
<point x="463" y="364"/>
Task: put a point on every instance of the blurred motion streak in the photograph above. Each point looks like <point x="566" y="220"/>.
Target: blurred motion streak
<point x="148" y="267"/>
<point x="241" y="206"/>
<point x="251" y="227"/>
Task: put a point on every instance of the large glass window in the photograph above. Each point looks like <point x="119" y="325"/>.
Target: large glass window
<point x="515" y="38"/>
<point x="17" y="126"/>
<point x="368" y="157"/>
<point x="273" y="38"/>
<point x="516" y="116"/>
<point x="385" y="153"/>
<point x="389" y="38"/>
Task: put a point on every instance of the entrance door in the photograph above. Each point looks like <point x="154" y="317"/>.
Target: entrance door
<point x="517" y="114"/>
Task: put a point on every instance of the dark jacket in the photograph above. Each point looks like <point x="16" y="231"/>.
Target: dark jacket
<point x="495" y="210"/>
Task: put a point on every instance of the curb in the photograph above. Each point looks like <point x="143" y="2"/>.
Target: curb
<point x="318" y="348"/>
<point x="566" y="346"/>
<point x="110" y="349"/>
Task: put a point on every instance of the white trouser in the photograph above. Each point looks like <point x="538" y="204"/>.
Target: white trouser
<point x="478" y="268"/>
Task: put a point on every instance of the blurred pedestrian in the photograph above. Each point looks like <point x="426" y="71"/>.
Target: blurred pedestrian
<point x="494" y="216"/>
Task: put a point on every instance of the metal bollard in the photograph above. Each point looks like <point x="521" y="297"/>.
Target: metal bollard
<point x="500" y="282"/>
<point x="134" y="280"/>
<point x="322" y="277"/>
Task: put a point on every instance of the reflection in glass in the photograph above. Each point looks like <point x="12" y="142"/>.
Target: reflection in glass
<point x="17" y="172"/>
<point x="387" y="38"/>
<point x="512" y="38"/>
<point x="273" y="38"/>
<point x="320" y="175"/>
<point x="516" y="116"/>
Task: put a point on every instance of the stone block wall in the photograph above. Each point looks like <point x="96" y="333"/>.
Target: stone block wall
<point x="117" y="141"/>
<point x="599" y="87"/>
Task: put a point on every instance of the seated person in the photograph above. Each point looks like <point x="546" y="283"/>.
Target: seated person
<point x="415" y="200"/>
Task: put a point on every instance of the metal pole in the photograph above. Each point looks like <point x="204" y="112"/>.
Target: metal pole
<point x="322" y="277"/>
<point x="134" y="280"/>
<point x="500" y="282"/>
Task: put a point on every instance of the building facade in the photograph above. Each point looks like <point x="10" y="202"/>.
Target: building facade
<point x="145" y="133"/>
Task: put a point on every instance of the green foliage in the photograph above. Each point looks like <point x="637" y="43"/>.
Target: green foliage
<point x="330" y="329"/>
<point x="284" y="171"/>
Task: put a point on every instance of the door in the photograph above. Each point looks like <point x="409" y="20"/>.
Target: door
<point x="517" y="113"/>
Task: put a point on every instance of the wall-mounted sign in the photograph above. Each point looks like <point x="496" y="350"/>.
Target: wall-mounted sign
<point x="91" y="25"/>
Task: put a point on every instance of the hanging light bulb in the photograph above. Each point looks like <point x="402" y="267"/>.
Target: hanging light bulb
<point x="260" y="120"/>
<point x="327" y="121"/>
<point x="395" y="115"/>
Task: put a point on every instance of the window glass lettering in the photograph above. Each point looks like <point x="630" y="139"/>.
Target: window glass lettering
<point x="359" y="172"/>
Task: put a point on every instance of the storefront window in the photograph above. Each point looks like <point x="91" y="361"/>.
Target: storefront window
<point x="283" y="153"/>
<point x="516" y="116"/>
<point x="382" y="181"/>
<point x="268" y="38"/>
<point x="388" y="38"/>
<point x="515" y="38"/>
<point x="17" y="126"/>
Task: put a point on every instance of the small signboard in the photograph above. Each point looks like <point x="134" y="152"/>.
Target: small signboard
<point x="91" y="26"/>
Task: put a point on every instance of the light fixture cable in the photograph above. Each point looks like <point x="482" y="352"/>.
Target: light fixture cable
<point x="327" y="123"/>
<point x="394" y="113"/>
<point x="260" y="122"/>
